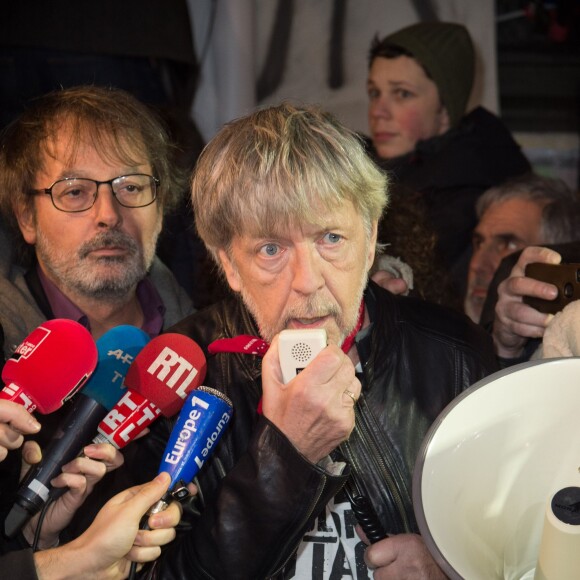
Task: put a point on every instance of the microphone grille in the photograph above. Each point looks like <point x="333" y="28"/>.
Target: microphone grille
<point x="215" y="393"/>
<point x="301" y="352"/>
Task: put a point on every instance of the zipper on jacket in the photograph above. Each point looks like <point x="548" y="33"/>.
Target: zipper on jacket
<point x="386" y="466"/>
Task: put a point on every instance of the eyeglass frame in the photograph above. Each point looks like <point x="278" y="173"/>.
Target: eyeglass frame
<point x="48" y="191"/>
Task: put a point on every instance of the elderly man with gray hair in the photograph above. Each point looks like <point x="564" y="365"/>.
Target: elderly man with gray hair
<point x="287" y="201"/>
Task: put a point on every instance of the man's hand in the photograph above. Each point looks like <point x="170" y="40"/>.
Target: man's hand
<point x="113" y="541"/>
<point x="312" y="410"/>
<point x="80" y="477"/>
<point x="516" y="322"/>
<point x="15" y="421"/>
<point x="402" y="556"/>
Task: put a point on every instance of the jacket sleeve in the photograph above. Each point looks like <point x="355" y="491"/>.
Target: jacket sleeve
<point x="258" y="515"/>
<point x="19" y="565"/>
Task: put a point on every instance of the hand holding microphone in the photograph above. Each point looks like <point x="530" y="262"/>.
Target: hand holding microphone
<point x="296" y="350"/>
<point x="312" y="409"/>
<point x="15" y="422"/>
<point x="70" y="488"/>
<point x="116" y="350"/>
<point x="107" y="548"/>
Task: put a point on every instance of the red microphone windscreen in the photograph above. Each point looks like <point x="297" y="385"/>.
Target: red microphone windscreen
<point x="166" y="370"/>
<point x="50" y="365"/>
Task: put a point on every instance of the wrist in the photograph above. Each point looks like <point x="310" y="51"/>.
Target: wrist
<point x="45" y="542"/>
<point x="68" y="562"/>
<point x="508" y="351"/>
<point x="57" y="564"/>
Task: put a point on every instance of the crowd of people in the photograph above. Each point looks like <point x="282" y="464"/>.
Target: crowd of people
<point x="392" y="244"/>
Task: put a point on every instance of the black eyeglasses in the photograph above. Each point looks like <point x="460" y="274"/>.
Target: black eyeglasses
<point x="76" y="194"/>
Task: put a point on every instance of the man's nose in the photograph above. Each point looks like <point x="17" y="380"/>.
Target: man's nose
<point x="107" y="209"/>
<point x="484" y="261"/>
<point x="307" y="271"/>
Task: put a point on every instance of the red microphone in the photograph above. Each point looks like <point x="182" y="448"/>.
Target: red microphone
<point x="158" y="382"/>
<point x="50" y="365"/>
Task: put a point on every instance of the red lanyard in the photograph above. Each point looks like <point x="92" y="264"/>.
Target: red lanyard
<point x="247" y="344"/>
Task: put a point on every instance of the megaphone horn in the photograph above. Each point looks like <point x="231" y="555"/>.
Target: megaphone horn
<point x="491" y="463"/>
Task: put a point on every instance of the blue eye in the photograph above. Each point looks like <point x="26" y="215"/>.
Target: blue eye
<point x="332" y="238"/>
<point x="270" y="249"/>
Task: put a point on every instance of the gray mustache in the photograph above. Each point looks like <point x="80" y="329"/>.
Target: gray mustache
<point x="111" y="239"/>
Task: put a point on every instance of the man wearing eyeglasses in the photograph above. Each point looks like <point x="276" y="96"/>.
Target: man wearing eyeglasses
<point x="85" y="175"/>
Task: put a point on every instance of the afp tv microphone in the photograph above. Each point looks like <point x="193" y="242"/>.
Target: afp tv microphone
<point x="116" y="350"/>
<point x="158" y="381"/>
<point x="50" y="365"/>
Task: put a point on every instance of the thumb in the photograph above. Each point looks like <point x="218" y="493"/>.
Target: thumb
<point x="31" y="455"/>
<point x="31" y="452"/>
<point x="142" y="497"/>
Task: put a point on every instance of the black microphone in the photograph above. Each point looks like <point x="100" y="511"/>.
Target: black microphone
<point x="116" y="350"/>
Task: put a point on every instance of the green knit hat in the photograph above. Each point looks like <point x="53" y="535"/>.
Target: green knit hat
<point x="445" y="50"/>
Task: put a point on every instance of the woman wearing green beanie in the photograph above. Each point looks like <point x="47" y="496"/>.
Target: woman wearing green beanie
<point x="419" y="83"/>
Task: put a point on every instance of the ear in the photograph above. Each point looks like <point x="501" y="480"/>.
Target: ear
<point x="230" y="271"/>
<point x="372" y="245"/>
<point x="444" y="120"/>
<point x="26" y="217"/>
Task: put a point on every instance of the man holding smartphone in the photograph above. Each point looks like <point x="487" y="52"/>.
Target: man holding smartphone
<point x="287" y="202"/>
<point x="524" y="211"/>
<point x="518" y="326"/>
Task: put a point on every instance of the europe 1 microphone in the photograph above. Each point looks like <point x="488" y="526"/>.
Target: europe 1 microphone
<point x="201" y="423"/>
<point x="116" y="350"/>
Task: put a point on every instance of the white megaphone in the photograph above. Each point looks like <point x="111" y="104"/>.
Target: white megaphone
<point x="488" y="479"/>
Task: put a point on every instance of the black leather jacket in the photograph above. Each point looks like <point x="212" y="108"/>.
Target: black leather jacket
<point x="258" y="494"/>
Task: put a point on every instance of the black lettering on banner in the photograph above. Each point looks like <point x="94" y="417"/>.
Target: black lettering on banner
<point x="322" y="525"/>
<point x="340" y="568"/>
<point x="318" y="561"/>
<point x="350" y="523"/>
<point x="321" y="536"/>
<point x="337" y="523"/>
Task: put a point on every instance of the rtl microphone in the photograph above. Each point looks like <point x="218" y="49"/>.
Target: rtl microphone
<point x="157" y="382"/>
<point x="116" y="350"/>
<point x="49" y="366"/>
<point x="201" y="423"/>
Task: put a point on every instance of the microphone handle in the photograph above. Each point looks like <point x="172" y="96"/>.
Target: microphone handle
<point x="35" y="490"/>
